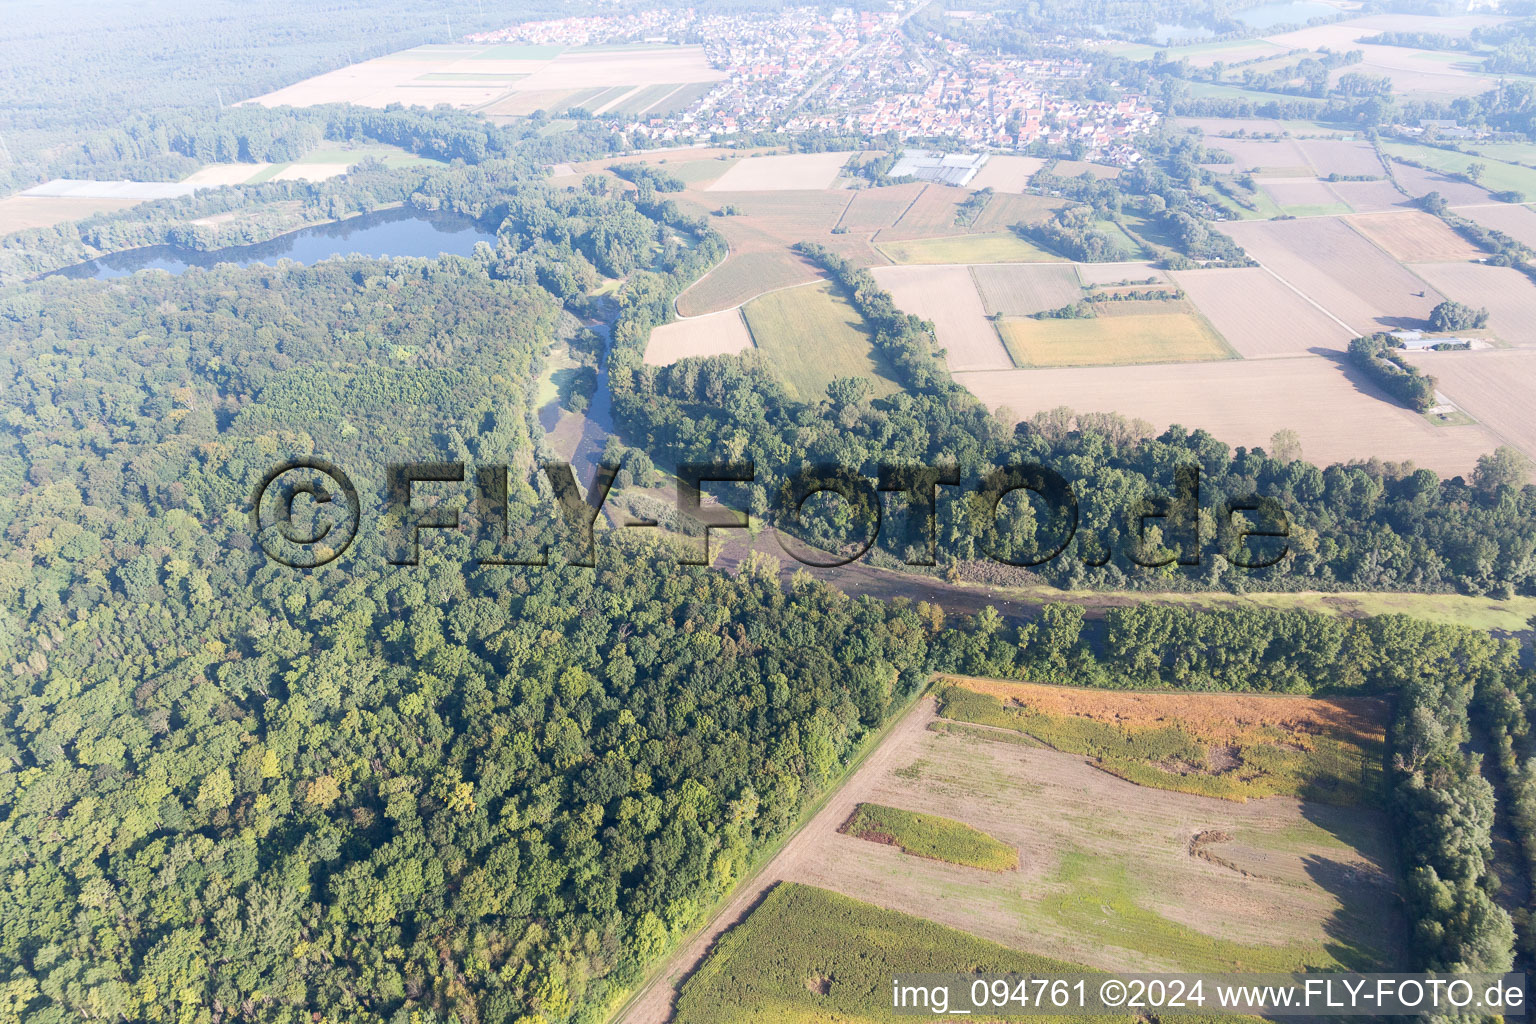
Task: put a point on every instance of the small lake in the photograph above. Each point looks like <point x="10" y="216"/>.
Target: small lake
<point x="1294" y="12"/>
<point x="1162" y="34"/>
<point x="397" y="232"/>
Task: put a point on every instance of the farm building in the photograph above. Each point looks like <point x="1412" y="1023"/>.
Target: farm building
<point x="940" y="168"/>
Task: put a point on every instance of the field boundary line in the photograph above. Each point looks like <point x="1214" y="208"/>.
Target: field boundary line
<point x="1310" y="300"/>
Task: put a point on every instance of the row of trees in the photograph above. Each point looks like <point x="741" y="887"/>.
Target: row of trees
<point x="1378" y="356"/>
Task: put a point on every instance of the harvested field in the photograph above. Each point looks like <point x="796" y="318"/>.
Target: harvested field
<point x="933" y="212"/>
<point x="1006" y="173"/>
<point x="1073" y="168"/>
<point x="1022" y="289"/>
<point x="401" y="78"/>
<point x="1414" y="237"/>
<point x="1518" y="222"/>
<point x="215" y="175"/>
<point x="577" y="69"/>
<point x="504" y="81"/>
<point x="791" y="172"/>
<point x="717" y="334"/>
<point x="1339" y="156"/>
<point x="18" y="213"/>
<point x="1339" y="416"/>
<point x="1494" y="386"/>
<point x="553" y="101"/>
<point x="1371" y="196"/>
<point x="310" y="172"/>
<point x="1303" y="196"/>
<point x="1233" y="747"/>
<point x="1101" y="274"/>
<point x="1121" y="339"/>
<point x="947" y="296"/>
<point x="1006" y="210"/>
<point x="871" y="209"/>
<point x="1259" y="316"/>
<point x="810" y="336"/>
<point x="997" y="247"/>
<point x="743" y="277"/>
<point x="1420" y="182"/>
<point x="1124" y="890"/>
<point x="1508" y="295"/>
<point x="1277" y="156"/>
<point x="1340" y="270"/>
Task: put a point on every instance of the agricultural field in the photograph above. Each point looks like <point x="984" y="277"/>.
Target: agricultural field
<point x="1074" y="168"/>
<point x="1494" y="386"/>
<point x="1341" y="156"/>
<point x="947" y="296"/>
<point x="810" y="336"/>
<point x="1168" y="881"/>
<point x="1274" y="157"/>
<point x="1338" y="415"/>
<point x="1098" y="275"/>
<point x="716" y="334"/>
<point x="1023" y="289"/>
<point x="1006" y="173"/>
<point x="1508" y="295"/>
<point x="785" y="173"/>
<point x="1518" y="222"/>
<point x="1340" y="270"/>
<point x="741" y="278"/>
<point x="870" y="209"/>
<point x="810" y="956"/>
<point x="993" y="247"/>
<point x="18" y="213"/>
<point x="1303" y="197"/>
<point x="1234" y="747"/>
<point x="934" y="211"/>
<point x="1445" y="177"/>
<point x="1115" y="338"/>
<point x="511" y="80"/>
<point x="1259" y="316"/>
<point x="1371" y="196"/>
<point x="932" y="836"/>
<point x="1414" y="237"/>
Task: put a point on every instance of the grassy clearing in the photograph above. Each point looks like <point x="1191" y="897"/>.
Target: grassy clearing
<point x="809" y="956"/>
<point x="1498" y="176"/>
<point x="931" y="836"/>
<point x="1511" y="616"/>
<point x="1223" y="759"/>
<point x="993" y="247"/>
<point x="810" y="336"/>
<point x="1118" y="340"/>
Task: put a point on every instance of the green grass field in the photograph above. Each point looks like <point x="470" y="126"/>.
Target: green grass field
<point x="1341" y="768"/>
<point x="1497" y="175"/>
<point x="993" y="247"/>
<point x="1472" y="612"/>
<point x="1118" y="340"/>
<point x="809" y="336"/>
<point x="809" y="956"/>
<point x="931" y="836"/>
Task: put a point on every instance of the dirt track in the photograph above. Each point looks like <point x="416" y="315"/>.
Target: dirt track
<point x="654" y="1005"/>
